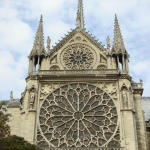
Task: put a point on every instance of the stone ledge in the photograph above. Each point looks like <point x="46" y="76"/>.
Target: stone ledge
<point x="85" y="148"/>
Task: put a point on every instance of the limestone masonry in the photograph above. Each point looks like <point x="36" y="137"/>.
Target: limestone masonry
<point x="80" y="95"/>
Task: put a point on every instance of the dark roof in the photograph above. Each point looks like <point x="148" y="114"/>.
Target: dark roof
<point x="14" y="104"/>
<point x="146" y="98"/>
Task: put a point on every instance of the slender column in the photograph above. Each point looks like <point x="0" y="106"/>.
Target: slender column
<point x="38" y="63"/>
<point x="127" y="66"/>
<point x="30" y="67"/>
<point x="140" y="123"/>
<point x="123" y="63"/>
<point x="128" y="123"/>
<point x="118" y="63"/>
<point x="33" y="65"/>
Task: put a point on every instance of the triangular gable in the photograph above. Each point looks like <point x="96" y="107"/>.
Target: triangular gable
<point x="70" y="35"/>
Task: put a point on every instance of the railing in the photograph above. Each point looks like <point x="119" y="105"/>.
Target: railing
<point x="75" y="72"/>
<point x="137" y="85"/>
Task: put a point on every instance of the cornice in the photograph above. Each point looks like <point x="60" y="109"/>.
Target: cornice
<point x="138" y="91"/>
<point x="96" y="75"/>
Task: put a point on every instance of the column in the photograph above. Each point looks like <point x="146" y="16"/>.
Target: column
<point x="140" y="123"/>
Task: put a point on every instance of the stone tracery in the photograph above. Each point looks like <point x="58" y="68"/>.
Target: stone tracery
<point x="78" y="57"/>
<point x="78" y="115"/>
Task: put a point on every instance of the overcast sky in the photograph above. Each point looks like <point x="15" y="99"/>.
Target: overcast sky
<point x="19" y="21"/>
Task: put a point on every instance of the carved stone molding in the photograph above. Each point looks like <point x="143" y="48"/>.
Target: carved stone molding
<point x="110" y="88"/>
<point x="46" y="89"/>
<point x="78" y="57"/>
<point x="78" y="115"/>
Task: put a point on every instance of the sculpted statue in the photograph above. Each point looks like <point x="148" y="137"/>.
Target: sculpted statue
<point x="32" y="95"/>
<point x="125" y="99"/>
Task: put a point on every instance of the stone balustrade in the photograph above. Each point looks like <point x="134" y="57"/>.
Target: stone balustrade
<point x="76" y="72"/>
<point x="86" y="148"/>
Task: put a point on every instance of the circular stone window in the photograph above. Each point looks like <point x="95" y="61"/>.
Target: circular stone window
<point x="78" y="115"/>
<point x="78" y="57"/>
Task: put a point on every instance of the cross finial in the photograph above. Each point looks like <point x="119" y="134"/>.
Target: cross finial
<point x="80" y="18"/>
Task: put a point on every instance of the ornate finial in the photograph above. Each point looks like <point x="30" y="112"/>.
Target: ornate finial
<point x="80" y="18"/>
<point x="48" y="43"/>
<point x="141" y="83"/>
<point x="38" y="47"/>
<point x="11" y="96"/>
<point x="108" y="42"/>
<point x="40" y="29"/>
<point x="41" y="19"/>
<point x="118" y="40"/>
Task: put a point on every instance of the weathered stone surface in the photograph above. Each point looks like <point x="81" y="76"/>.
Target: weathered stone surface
<point x="80" y="95"/>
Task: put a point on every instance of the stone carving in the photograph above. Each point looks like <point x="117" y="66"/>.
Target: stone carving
<point x="55" y="67"/>
<point x="103" y="59"/>
<point x="78" y="115"/>
<point x="23" y="96"/>
<point x="53" y="60"/>
<point x="110" y="88"/>
<point x="101" y="67"/>
<point x="32" y="97"/>
<point x="78" y="57"/>
<point x="46" y="89"/>
<point x="78" y="38"/>
<point x="71" y="41"/>
<point x="125" y="97"/>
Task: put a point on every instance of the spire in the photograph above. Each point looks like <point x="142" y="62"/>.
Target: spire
<point x="11" y="96"/>
<point x="48" y="43"/>
<point x="38" y="47"/>
<point x="80" y="18"/>
<point x="108" y="42"/>
<point x="118" y="40"/>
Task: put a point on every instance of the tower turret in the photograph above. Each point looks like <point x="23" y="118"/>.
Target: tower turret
<point x="11" y="96"/>
<point x="118" y="50"/>
<point x="38" y="51"/>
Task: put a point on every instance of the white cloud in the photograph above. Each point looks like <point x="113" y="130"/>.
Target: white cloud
<point x="56" y="30"/>
<point x="16" y="35"/>
<point x="11" y="75"/>
<point x="142" y="71"/>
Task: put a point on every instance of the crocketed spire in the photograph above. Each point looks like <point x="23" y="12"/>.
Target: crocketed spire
<point x="48" y="43"/>
<point x="118" y="44"/>
<point x="80" y="18"/>
<point x="38" y="47"/>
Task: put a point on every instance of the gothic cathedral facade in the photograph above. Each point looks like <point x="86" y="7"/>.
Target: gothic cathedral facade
<point x="80" y="95"/>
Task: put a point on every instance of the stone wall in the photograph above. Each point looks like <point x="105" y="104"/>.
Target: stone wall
<point x="148" y="133"/>
<point x="146" y="107"/>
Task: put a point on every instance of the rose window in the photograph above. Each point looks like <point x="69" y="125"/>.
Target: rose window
<point x="78" y="115"/>
<point x="78" y="57"/>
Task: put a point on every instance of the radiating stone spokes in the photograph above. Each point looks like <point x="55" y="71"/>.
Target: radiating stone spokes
<point x="80" y="115"/>
<point x="78" y="57"/>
